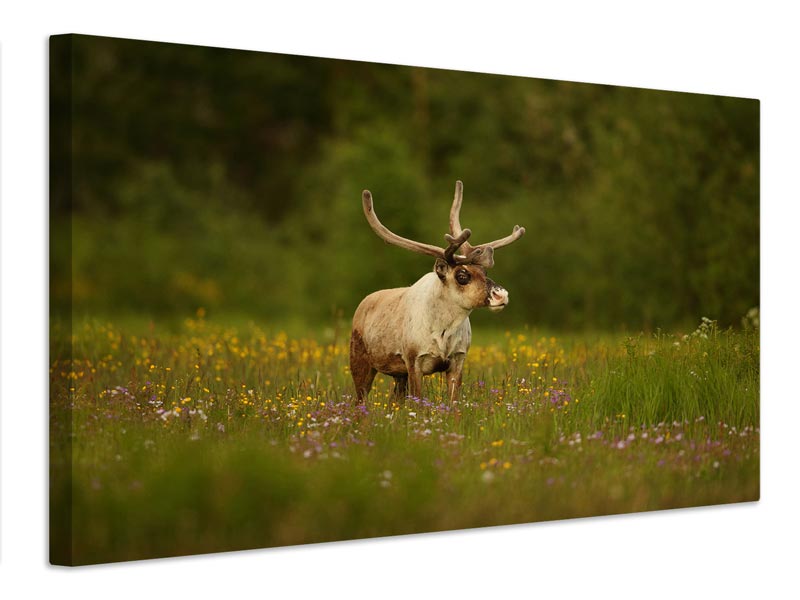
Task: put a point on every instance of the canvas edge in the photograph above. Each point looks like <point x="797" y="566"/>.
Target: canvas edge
<point x="60" y="192"/>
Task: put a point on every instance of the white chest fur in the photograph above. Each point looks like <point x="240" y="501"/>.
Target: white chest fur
<point x="435" y="327"/>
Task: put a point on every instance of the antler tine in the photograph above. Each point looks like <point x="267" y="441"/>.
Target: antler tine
<point x="517" y="233"/>
<point x="455" y="213"/>
<point x="453" y="244"/>
<point x="455" y="210"/>
<point x="392" y="238"/>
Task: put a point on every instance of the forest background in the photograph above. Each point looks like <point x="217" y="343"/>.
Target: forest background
<point x="231" y="181"/>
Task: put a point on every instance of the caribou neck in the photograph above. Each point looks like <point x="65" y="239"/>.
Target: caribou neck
<point x="442" y="315"/>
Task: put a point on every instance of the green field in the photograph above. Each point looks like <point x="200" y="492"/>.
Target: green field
<point x="210" y="436"/>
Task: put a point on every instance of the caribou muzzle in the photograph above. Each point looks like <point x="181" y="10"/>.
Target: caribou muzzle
<point x="497" y="297"/>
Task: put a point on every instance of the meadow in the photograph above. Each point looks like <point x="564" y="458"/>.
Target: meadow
<point x="215" y="435"/>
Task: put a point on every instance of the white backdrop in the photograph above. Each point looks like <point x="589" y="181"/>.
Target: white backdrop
<point x="730" y="48"/>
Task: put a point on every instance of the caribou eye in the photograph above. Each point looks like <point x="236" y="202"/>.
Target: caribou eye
<point x="463" y="277"/>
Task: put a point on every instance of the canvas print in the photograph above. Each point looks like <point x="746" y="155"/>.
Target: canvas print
<point x="299" y="300"/>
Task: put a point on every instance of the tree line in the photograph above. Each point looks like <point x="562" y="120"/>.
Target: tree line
<point x="232" y="180"/>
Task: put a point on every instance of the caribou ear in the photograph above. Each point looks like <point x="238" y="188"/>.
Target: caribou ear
<point x="441" y="268"/>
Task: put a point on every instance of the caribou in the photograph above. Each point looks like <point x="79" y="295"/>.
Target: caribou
<point x="414" y="331"/>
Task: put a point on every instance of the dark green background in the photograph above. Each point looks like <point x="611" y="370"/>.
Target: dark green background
<point x="231" y="180"/>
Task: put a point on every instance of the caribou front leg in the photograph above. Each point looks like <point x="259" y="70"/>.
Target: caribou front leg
<point x="414" y="366"/>
<point x="453" y="375"/>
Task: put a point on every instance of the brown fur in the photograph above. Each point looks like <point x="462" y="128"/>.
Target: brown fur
<point x="479" y="287"/>
<point x="362" y="372"/>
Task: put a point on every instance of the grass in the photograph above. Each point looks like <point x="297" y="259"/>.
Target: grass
<point x="208" y="437"/>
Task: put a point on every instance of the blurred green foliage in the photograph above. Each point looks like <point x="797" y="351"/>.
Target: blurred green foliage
<point x="231" y="180"/>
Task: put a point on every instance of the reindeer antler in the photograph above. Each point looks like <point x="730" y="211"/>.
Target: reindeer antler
<point x="516" y="233"/>
<point x="455" y="214"/>
<point x="482" y="255"/>
<point x="392" y="238"/>
<point x="454" y="243"/>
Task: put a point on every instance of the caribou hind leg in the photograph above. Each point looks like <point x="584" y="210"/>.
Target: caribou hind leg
<point x="362" y="372"/>
<point x="363" y="383"/>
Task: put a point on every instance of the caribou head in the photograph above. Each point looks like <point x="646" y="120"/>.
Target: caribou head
<point x="460" y="266"/>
